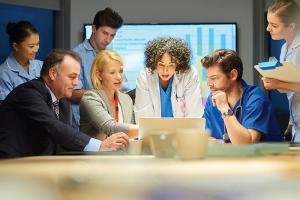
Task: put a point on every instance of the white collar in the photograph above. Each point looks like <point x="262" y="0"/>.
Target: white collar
<point x="53" y="97"/>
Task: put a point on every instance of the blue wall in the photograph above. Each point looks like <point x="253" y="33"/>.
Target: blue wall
<point x="275" y="47"/>
<point x="42" y="19"/>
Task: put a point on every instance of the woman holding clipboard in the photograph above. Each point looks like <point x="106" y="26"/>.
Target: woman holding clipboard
<point x="284" y="23"/>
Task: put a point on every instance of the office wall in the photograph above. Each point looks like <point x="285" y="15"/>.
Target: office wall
<point x="170" y="11"/>
<point x="42" y="19"/>
<point x="52" y="4"/>
<point x="74" y="13"/>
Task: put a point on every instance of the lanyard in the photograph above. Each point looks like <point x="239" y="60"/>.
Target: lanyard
<point x="116" y="108"/>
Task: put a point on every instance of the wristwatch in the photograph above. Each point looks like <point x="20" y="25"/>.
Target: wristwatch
<point x="227" y="112"/>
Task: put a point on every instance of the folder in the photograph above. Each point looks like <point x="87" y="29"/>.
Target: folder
<point x="286" y="71"/>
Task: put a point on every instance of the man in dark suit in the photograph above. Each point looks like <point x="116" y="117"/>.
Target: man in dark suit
<point x="33" y="117"/>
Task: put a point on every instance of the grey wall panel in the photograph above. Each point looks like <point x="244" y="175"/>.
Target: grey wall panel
<point x="170" y="11"/>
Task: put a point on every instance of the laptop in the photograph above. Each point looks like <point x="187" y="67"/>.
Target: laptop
<point x="148" y="125"/>
<point x="169" y="125"/>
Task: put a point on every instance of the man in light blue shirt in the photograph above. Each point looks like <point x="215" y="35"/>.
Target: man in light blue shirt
<point x="105" y="25"/>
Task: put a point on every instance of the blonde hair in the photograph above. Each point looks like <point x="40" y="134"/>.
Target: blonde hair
<point x="99" y="62"/>
<point x="287" y="10"/>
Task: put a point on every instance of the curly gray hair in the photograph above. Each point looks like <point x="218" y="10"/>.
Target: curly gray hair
<point x="177" y="48"/>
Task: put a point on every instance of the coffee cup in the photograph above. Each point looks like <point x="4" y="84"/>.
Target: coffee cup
<point x="134" y="147"/>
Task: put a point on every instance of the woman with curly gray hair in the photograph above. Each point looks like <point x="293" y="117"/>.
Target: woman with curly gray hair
<point x="168" y="86"/>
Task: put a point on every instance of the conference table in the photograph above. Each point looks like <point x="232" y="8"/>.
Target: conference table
<point x="110" y="176"/>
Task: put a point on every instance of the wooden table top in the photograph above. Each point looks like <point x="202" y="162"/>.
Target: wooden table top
<point x="137" y="177"/>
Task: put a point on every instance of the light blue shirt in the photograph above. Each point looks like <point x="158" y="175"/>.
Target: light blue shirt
<point x="165" y="100"/>
<point x="94" y="144"/>
<point x="87" y="54"/>
<point x="13" y="74"/>
<point x="293" y="55"/>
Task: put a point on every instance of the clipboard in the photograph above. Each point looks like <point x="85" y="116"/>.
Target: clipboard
<point x="286" y="71"/>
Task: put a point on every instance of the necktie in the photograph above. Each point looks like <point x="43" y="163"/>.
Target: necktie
<point x="56" y="108"/>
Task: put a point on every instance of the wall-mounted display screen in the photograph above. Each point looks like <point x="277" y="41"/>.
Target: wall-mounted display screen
<point x="131" y="39"/>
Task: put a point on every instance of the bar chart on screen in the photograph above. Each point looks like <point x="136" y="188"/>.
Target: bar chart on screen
<point x="202" y="38"/>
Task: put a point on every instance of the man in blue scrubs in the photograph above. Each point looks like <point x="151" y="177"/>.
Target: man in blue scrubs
<point x="105" y="25"/>
<point x="235" y="111"/>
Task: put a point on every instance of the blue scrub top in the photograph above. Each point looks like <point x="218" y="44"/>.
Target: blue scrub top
<point x="253" y="111"/>
<point x="13" y="74"/>
<point x="165" y="100"/>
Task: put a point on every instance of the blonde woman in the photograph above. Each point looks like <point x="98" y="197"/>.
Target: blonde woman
<point x="284" y="23"/>
<point x="104" y="109"/>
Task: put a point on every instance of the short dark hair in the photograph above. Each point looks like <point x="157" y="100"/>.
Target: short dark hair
<point x="177" y="48"/>
<point x="19" y="31"/>
<point x="108" y="17"/>
<point x="226" y="59"/>
<point x="56" y="56"/>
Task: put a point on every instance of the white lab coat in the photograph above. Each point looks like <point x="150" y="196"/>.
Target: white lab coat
<point x="185" y="96"/>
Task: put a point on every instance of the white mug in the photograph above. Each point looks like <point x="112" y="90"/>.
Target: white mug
<point x="135" y="146"/>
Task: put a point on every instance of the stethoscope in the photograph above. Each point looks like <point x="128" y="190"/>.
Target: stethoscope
<point x="238" y="111"/>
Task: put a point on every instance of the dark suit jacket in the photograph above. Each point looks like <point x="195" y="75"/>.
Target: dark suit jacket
<point x="28" y="125"/>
